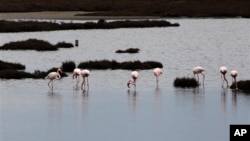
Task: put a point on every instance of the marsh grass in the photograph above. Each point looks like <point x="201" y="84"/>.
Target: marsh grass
<point x="11" y="66"/>
<point x="127" y="65"/>
<point x="129" y="50"/>
<point x="242" y="85"/>
<point x="186" y="82"/>
<point x="28" y="26"/>
<point x="34" y="44"/>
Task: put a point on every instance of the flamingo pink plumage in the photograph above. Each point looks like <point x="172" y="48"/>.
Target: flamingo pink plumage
<point x="223" y="71"/>
<point x="52" y="76"/>
<point x="234" y="74"/>
<point x="76" y="74"/>
<point x="134" y="76"/>
<point x="157" y="73"/>
<point x="85" y="74"/>
<point x="197" y="71"/>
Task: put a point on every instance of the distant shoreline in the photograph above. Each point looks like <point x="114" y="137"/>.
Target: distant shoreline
<point x="64" y="15"/>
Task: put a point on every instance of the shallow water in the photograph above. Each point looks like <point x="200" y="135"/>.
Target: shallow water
<point x="109" y="111"/>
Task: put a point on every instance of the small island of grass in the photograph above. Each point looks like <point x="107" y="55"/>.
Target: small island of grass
<point x="34" y="44"/>
<point x="28" y="26"/>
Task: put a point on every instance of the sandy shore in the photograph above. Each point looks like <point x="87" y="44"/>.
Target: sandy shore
<point x="65" y="15"/>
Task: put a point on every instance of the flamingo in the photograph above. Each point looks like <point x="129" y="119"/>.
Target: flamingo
<point x="134" y="75"/>
<point x="52" y="76"/>
<point x="157" y="73"/>
<point x="223" y="71"/>
<point x="85" y="73"/>
<point x="234" y="74"/>
<point x="197" y="71"/>
<point x="76" y="73"/>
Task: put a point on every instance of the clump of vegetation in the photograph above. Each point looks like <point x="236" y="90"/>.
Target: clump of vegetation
<point x="129" y="50"/>
<point x="14" y="74"/>
<point x="68" y="66"/>
<point x="186" y="82"/>
<point x="34" y="44"/>
<point x="26" y="26"/>
<point x="127" y="65"/>
<point x="242" y="85"/>
<point x="64" y="45"/>
<point x="11" y="66"/>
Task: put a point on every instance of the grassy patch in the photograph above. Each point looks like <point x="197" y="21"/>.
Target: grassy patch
<point x="186" y="82"/>
<point x="129" y="50"/>
<point x="11" y="66"/>
<point x="26" y="26"/>
<point x="127" y="65"/>
<point x="34" y="44"/>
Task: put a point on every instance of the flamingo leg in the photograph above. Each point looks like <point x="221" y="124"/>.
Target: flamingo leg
<point x="203" y="77"/>
<point x="83" y="83"/>
<point x="87" y="82"/>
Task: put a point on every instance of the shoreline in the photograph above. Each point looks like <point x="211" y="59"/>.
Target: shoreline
<point x="64" y="15"/>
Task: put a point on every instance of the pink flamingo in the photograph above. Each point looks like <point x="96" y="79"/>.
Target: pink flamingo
<point x="134" y="76"/>
<point x="234" y="74"/>
<point x="52" y="76"/>
<point x="223" y="71"/>
<point x="157" y="73"/>
<point x="197" y="71"/>
<point x="76" y="73"/>
<point x="85" y="73"/>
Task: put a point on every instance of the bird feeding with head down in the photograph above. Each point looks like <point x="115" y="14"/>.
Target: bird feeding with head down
<point x="234" y="74"/>
<point x="85" y="82"/>
<point x="53" y="75"/>
<point x="76" y="74"/>
<point x="157" y="72"/>
<point x="197" y="71"/>
<point x="223" y="71"/>
<point x="134" y="77"/>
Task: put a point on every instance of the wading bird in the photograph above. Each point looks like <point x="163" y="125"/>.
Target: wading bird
<point x="76" y="74"/>
<point x="223" y="71"/>
<point x="197" y="71"/>
<point x="157" y="73"/>
<point x="52" y="76"/>
<point x="85" y="73"/>
<point x="134" y="76"/>
<point x="234" y="74"/>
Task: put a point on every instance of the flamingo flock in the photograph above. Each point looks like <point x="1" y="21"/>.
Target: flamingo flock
<point x="134" y="76"/>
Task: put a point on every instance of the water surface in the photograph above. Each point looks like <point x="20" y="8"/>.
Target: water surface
<point x="109" y="111"/>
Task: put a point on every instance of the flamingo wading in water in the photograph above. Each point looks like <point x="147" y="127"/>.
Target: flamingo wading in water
<point x="85" y="74"/>
<point x="223" y="71"/>
<point x="134" y="76"/>
<point x="157" y="73"/>
<point x="197" y="71"/>
<point x="76" y="74"/>
<point x="234" y="74"/>
<point x="52" y="76"/>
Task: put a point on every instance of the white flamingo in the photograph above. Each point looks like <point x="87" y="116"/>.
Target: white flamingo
<point x="52" y="76"/>
<point x="85" y="73"/>
<point x="157" y="73"/>
<point x="76" y="74"/>
<point x="134" y="76"/>
<point x="234" y="74"/>
<point x="197" y="71"/>
<point x="223" y="71"/>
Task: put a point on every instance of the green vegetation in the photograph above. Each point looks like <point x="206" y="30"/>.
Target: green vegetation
<point x="243" y="85"/>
